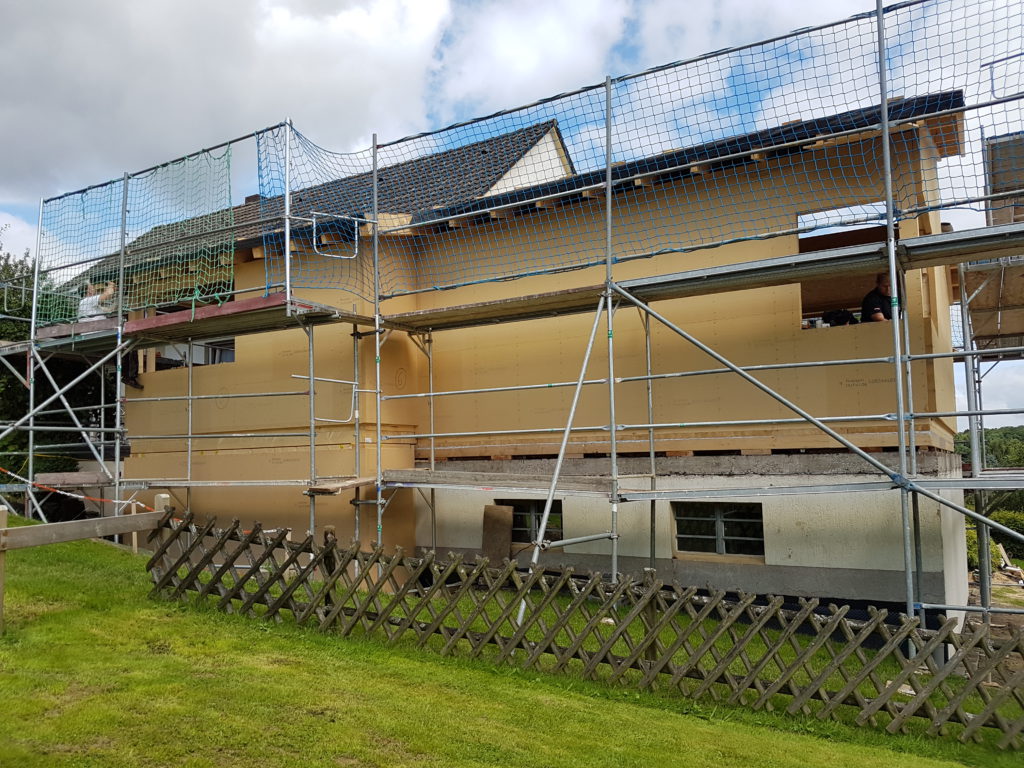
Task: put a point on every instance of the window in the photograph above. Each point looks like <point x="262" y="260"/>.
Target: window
<point x="207" y="352"/>
<point x="836" y="300"/>
<point x="526" y="515"/>
<point x="837" y="227"/>
<point x="723" y="528"/>
<point x="213" y="351"/>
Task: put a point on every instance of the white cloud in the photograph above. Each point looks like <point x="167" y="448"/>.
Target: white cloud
<point x="500" y="54"/>
<point x="96" y="89"/>
<point x="1001" y="390"/>
<point x="668" y="30"/>
<point x="16" y="234"/>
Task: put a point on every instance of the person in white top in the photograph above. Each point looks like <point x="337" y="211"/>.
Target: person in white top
<point x="91" y="306"/>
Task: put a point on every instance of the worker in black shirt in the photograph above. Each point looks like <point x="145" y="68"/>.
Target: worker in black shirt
<point x="877" y="305"/>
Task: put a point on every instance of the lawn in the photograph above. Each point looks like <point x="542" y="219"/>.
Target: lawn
<point x="93" y="673"/>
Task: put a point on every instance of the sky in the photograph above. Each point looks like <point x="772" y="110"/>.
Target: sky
<point x="95" y="89"/>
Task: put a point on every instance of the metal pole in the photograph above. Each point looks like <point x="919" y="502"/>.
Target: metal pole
<point x="29" y="489"/>
<point x="546" y="514"/>
<point x="377" y="329"/>
<point x="908" y="366"/>
<point x="29" y="492"/>
<point x="650" y="434"/>
<point x="356" y="435"/>
<point x="312" y="427"/>
<point x="609" y="308"/>
<point x="977" y="455"/>
<point x="918" y="558"/>
<point x="429" y="349"/>
<point x="103" y="413"/>
<point x="189" y="405"/>
<point x="74" y="418"/>
<point x="894" y="290"/>
<point x="977" y="517"/>
<point x="490" y="390"/>
<point x="288" y="217"/>
<point x="121" y="291"/>
<point x="357" y="459"/>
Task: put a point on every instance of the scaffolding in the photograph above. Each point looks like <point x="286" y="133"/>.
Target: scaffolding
<point x="922" y="116"/>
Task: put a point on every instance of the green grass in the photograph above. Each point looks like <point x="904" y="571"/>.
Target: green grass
<point x="93" y="673"/>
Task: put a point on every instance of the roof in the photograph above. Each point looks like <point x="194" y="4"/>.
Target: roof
<point x="432" y="181"/>
<point x="722" y="151"/>
<point x="436" y="180"/>
<point x="456" y="182"/>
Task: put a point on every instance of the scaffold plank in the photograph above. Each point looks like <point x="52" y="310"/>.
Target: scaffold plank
<point x="495" y="481"/>
<point x="253" y="315"/>
<point x="513" y="309"/>
<point x="334" y="487"/>
<point x="72" y="479"/>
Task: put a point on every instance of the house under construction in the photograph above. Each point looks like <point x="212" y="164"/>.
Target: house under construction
<point x="608" y="328"/>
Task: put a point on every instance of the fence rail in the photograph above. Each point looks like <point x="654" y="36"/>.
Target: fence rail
<point x="886" y="671"/>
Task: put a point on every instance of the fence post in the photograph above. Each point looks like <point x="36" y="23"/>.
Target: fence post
<point x="3" y="565"/>
<point x="135" y="534"/>
<point x="651" y="614"/>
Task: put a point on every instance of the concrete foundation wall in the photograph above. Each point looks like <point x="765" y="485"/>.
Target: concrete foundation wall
<point x="828" y="544"/>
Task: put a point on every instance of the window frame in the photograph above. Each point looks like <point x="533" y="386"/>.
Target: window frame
<point x="534" y="509"/>
<point x="715" y="512"/>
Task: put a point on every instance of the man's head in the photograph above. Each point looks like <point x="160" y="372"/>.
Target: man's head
<point x="882" y="284"/>
<point x="90" y="289"/>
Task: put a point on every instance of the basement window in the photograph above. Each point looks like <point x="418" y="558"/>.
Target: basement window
<point x="526" y="516"/>
<point x="719" y="527"/>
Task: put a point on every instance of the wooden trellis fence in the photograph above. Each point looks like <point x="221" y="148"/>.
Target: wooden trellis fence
<point x="751" y="651"/>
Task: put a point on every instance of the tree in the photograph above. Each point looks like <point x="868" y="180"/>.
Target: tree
<point x="1003" y="447"/>
<point x="16" y="284"/>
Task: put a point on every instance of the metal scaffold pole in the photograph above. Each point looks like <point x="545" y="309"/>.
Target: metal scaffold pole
<point x="974" y="427"/>
<point x="646" y="320"/>
<point x="31" y="377"/>
<point x="566" y="432"/>
<point x="121" y="290"/>
<point x="377" y="330"/>
<point x="288" y="216"/>
<point x="432" y="501"/>
<point x="895" y="285"/>
<point x="609" y="308"/>
<point x="190" y="406"/>
<point x="357" y="439"/>
<point x="312" y="425"/>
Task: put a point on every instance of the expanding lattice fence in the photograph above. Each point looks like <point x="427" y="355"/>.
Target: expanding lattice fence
<point x="752" y="651"/>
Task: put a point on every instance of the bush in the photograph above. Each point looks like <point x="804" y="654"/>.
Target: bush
<point x="972" y="551"/>
<point x="1015" y="522"/>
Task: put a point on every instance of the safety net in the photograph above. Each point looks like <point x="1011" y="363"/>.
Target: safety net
<point x="778" y="139"/>
<point x="158" y="238"/>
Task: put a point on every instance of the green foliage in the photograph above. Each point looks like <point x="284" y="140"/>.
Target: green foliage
<point x="1014" y="520"/>
<point x="16" y="284"/>
<point x="972" y="551"/>
<point x="1002" y="446"/>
